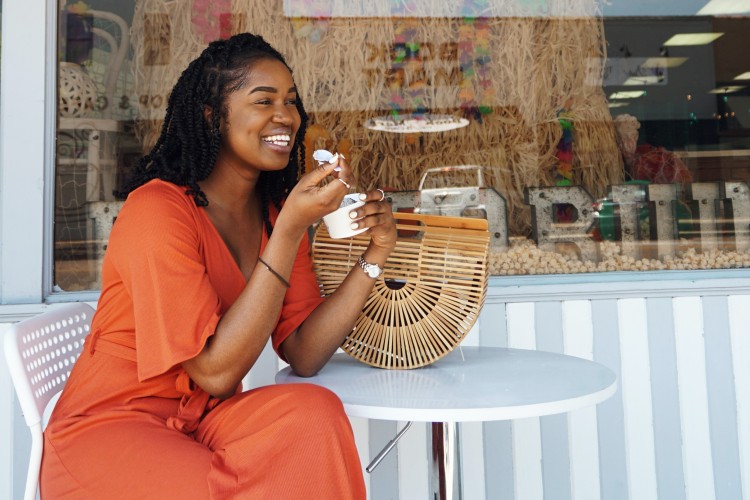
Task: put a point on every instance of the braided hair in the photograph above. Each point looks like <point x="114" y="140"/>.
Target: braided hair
<point x="188" y="145"/>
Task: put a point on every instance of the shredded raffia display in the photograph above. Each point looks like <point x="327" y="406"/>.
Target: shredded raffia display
<point x="347" y="74"/>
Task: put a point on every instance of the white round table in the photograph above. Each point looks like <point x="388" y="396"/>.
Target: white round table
<point x="469" y="384"/>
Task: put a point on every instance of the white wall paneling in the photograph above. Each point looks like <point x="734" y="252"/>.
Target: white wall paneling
<point x="739" y="319"/>
<point x="678" y="426"/>
<point x="636" y="393"/>
<point x="720" y="399"/>
<point x="9" y="451"/>
<point x="526" y="432"/>
<point x="578" y="331"/>
<point x="670" y="475"/>
<point x="640" y="443"/>
<point x="23" y="153"/>
<point x="691" y="377"/>
<point x="413" y="450"/>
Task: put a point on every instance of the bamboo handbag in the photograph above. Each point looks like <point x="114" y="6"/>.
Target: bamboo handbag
<point x="434" y="286"/>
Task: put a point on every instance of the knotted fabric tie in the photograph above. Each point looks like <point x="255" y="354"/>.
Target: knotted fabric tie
<point x="195" y="402"/>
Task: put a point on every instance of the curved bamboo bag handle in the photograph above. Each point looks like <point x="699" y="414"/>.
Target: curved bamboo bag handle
<point x="434" y="286"/>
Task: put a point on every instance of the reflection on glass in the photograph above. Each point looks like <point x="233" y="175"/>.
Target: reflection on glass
<point x="94" y="138"/>
<point x="610" y="137"/>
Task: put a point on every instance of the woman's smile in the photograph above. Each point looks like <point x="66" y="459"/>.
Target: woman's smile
<point x="282" y="143"/>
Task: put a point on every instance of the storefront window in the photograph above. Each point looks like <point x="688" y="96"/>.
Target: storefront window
<point x="594" y="136"/>
<point x="95" y="135"/>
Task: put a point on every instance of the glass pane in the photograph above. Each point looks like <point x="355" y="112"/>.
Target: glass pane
<point x="594" y="136"/>
<point x="95" y="139"/>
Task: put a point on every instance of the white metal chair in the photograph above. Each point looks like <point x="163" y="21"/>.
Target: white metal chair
<point x="40" y="352"/>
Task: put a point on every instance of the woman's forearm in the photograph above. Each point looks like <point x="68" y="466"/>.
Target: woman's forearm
<point x="244" y="330"/>
<point x="315" y="341"/>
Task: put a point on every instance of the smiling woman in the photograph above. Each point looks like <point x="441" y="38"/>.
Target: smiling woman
<point x="186" y="310"/>
<point x="251" y="108"/>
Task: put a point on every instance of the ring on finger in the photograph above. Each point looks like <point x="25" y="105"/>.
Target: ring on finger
<point x="382" y="194"/>
<point x="342" y="181"/>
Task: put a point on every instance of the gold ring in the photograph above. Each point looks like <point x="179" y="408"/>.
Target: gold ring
<point x="382" y="194"/>
<point x="342" y="181"/>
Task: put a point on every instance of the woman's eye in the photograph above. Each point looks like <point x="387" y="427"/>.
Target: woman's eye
<point x="292" y="101"/>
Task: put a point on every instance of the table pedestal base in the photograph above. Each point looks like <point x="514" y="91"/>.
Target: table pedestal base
<point x="445" y="470"/>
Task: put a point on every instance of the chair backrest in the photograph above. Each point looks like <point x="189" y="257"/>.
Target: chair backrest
<point x="40" y="352"/>
<point x="115" y="32"/>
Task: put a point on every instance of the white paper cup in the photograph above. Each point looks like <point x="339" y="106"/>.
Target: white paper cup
<point x="339" y="223"/>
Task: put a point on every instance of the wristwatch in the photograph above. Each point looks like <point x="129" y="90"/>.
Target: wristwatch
<point x="372" y="270"/>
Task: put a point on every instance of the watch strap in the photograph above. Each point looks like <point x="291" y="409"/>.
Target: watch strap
<point x="373" y="271"/>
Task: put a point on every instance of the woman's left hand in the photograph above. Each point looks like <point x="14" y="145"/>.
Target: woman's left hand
<point x="376" y="215"/>
<point x="309" y="347"/>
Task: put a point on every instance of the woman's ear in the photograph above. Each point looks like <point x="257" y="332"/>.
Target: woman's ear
<point x="208" y="115"/>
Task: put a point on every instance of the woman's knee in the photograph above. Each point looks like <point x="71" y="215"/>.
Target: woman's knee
<point x="314" y="401"/>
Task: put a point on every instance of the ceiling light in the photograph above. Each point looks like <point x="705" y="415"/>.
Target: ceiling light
<point x="618" y="104"/>
<point x="726" y="90"/>
<point x="644" y="80"/>
<point x="692" y="39"/>
<point x="743" y="76"/>
<point x="723" y="7"/>
<point x="663" y="62"/>
<point x="627" y="94"/>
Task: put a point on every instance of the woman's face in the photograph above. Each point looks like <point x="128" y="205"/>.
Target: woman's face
<point x="262" y="120"/>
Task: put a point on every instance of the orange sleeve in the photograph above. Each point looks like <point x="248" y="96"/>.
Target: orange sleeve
<point x="175" y="306"/>
<point x="301" y="299"/>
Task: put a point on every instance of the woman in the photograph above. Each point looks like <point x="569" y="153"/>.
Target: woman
<point x="208" y="259"/>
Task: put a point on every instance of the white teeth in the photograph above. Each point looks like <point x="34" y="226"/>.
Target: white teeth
<point x="279" y="140"/>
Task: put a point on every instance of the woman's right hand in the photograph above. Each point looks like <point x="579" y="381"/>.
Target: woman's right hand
<point x="311" y="199"/>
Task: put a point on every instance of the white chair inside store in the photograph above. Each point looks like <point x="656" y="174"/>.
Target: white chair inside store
<point x="86" y="108"/>
<point x="40" y="352"/>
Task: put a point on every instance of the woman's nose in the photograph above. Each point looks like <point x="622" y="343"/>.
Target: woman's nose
<point x="283" y="115"/>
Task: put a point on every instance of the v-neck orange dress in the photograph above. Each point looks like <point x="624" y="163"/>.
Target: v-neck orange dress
<point x="130" y="422"/>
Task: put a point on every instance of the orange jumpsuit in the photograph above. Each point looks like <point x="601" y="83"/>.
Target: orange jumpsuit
<point x="130" y="422"/>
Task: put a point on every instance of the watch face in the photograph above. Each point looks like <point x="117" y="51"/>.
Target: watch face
<point x="373" y="271"/>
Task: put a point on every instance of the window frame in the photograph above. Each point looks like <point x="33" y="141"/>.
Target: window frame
<point x="24" y="152"/>
<point x="27" y="135"/>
